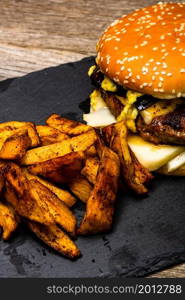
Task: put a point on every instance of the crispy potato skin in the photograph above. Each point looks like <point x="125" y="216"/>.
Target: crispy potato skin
<point x="28" y="126"/>
<point x="133" y="173"/>
<point x="63" y="195"/>
<point x="90" y="169"/>
<point x="14" y="148"/>
<point x="61" y="169"/>
<point x="49" y="135"/>
<point x="54" y="237"/>
<point x="59" y="211"/>
<point x="81" y="188"/>
<point x="3" y="168"/>
<point x="20" y="195"/>
<point x="100" y="205"/>
<point x="78" y="143"/>
<point x="8" y="221"/>
<point x="69" y="127"/>
<point x="91" y="151"/>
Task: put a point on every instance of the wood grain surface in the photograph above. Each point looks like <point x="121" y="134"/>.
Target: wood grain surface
<point x="37" y="34"/>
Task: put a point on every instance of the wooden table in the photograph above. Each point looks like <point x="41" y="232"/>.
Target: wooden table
<point x="37" y="34"/>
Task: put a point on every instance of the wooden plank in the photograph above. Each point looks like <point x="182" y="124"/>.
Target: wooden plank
<point x="36" y="34"/>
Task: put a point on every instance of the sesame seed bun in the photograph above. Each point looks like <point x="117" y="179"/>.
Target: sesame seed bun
<point x="145" y="50"/>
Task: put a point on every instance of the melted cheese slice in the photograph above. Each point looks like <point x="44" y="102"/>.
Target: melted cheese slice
<point x="175" y="163"/>
<point x="153" y="156"/>
<point x="160" y="108"/>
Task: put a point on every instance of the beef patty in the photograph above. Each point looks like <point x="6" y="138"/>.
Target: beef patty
<point x="168" y="128"/>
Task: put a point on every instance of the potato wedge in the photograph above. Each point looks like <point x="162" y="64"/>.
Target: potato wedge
<point x="91" y="151"/>
<point x="90" y="169"/>
<point x="3" y="169"/>
<point x="59" y="210"/>
<point x="19" y="194"/>
<point x="60" y="169"/>
<point x="54" y="237"/>
<point x="78" y="143"/>
<point x="69" y="127"/>
<point x="8" y="220"/>
<point x="30" y="127"/>
<point x="49" y="135"/>
<point x="15" y="146"/>
<point x="81" y="188"/>
<point x="63" y="195"/>
<point x="133" y="173"/>
<point x="100" y="205"/>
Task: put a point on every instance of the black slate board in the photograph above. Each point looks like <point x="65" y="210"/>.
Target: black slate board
<point x="148" y="234"/>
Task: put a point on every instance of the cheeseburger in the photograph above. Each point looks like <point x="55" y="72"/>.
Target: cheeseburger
<point x="139" y="77"/>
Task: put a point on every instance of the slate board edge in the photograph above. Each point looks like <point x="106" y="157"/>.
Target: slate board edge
<point x="7" y="82"/>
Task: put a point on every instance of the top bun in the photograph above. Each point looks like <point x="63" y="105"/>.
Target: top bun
<point x="145" y="50"/>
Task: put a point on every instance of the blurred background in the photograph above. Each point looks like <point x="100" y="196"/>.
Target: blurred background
<point x="36" y="34"/>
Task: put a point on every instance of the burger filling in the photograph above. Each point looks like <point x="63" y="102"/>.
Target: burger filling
<point x="158" y="121"/>
<point x="157" y="126"/>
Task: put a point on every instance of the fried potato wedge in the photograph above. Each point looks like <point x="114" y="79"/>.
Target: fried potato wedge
<point x="81" y="188"/>
<point x="90" y="169"/>
<point x="49" y="135"/>
<point x="62" y="194"/>
<point x="134" y="174"/>
<point x="100" y="205"/>
<point x="15" y="146"/>
<point x="3" y="169"/>
<point x="59" y="210"/>
<point x="19" y="194"/>
<point x="91" y="151"/>
<point x="8" y="221"/>
<point x="54" y="237"/>
<point x="78" y="143"/>
<point x="69" y="127"/>
<point x="30" y="127"/>
<point x="60" y="169"/>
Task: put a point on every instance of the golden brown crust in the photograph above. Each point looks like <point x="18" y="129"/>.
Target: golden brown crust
<point x="144" y="50"/>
